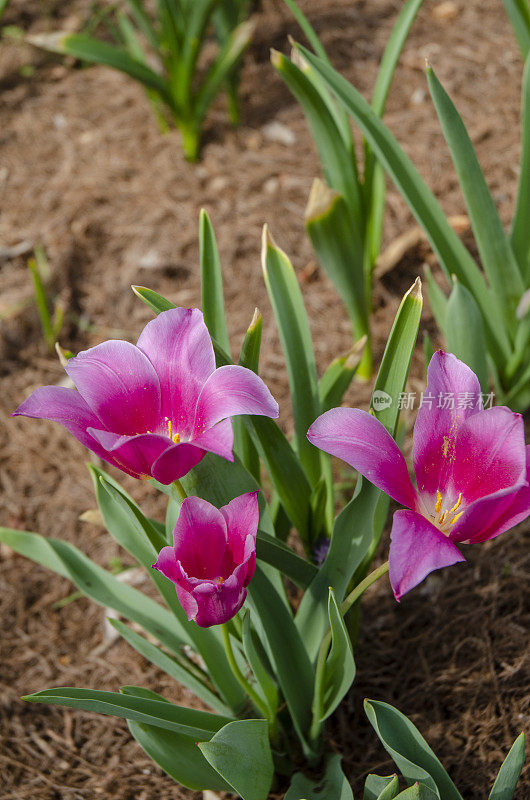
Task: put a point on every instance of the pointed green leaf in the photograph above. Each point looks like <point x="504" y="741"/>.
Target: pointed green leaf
<point x="336" y="380"/>
<point x="213" y="306"/>
<point x="252" y="647"/>
<point x="293" y="326"/>
<point x="279" y="555"/>
<point x="520" y="235"/>
<point x="249" y="358"/>
<point x="411" y="753"/>
<point x="506" y="781"/>
<point x="333" y="785"/>
<point x="160" y="713"/>
<point x="381" y="788"/>
<point x="179" y="756"/>
<point x="336" y="154"/>
<point x="418" y="791"/>
<point x="454" y="257"/>
<point x="339" y="250"/>
<point x="495" y="252"/>
<point x="87" y="49"/>
<point x="284" y="647"/>
<point x="241" y="754"/>
<point x="465" y="332"/>
<point x="172" y="667"/>
<point x="519" y="15"/>
<point x="221" y="68"/>
<point x="339" y="671"/>
<point x="152" y="299"/>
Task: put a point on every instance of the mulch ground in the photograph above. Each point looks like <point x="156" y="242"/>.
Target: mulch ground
<point x="85" y="173"/>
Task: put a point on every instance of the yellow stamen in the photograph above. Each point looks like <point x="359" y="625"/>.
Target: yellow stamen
<point x="176" y="438"/>
<point x="170" y="428"/>
<point x="442" y="518"/>
<point x="457" y="516"/>
<point x="438" y="505"/>
<point x="457" y="504"/>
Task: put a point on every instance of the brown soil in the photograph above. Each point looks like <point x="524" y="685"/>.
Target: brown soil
<point x="85" y="173"/>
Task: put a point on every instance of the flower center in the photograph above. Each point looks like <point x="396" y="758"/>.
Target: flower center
<point x="444" y="519"/>
<point x="173" y="436"/>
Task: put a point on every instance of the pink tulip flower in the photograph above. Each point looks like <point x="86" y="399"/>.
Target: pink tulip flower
<point x="471" y="466"/>
<point x="155" y="408"/>
<point x="213" y="557"/>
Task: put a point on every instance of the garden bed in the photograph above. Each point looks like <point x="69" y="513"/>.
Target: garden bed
<point x="85" y="172"/>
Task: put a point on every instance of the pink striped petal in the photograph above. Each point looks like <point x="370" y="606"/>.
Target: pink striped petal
<point x="67" y="407"/>
<point x="120" y="385"/>
<point x="200" y="539"/>
<point x="490" y="516"/>
<point x="218" y="440"/>
<point x="363" y="442"/>
<point x="136" y="454"/>
<point x="175" y="462"/>
<point x="217" y="603"/>
<point x="229" y="391"/>
<point x="489" y="454"/>
<point x="242" y="520"/>
<point x="416" y="549"/>
<point x="437" y="428"/>
<point x="179" y="346"/>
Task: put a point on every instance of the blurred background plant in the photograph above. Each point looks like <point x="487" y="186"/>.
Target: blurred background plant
<point x="486" y="318"/>
<point x="345" y="211"/>
<point x="163" y="52"/>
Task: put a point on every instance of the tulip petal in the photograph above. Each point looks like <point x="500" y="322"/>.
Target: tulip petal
<point x="416" y="549"/>
<point x="137" y="454"/>
<point x="218" y="603"/>
<point x="229" y="391"/>
<point x="242" y="520"/>
<point x="179" y="346"/>
<point x="489" y="454"/>
<point x="175" y="462"/>
<point x="169" y="566"/>
<point x="363" y="442"/>
<point x="200" y="539"/>
<point x="490" y="516"/>
<point x="218" y="440"/>
<point x="120" y="385"/>
<point x="67" y="407"/>
<point x="436" y="428"/>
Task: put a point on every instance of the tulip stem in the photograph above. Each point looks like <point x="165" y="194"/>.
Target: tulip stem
<point x="346" y="604"/>
<point x="180" y="491"/>
<point x="256" y="699"/>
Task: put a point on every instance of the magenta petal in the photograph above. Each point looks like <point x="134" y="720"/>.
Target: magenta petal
<point x="217" y="603"/>
<point x="229" y="391"/>
<point x="136" y="453"/>
<point x="490" y="516"/>
<point x="436" y="429"/>
<point x="168" y="565"/>
<point x="416" y="549"/>
<point x="363" y="442"/>
<point x="176" y="462"/>
<point x="200" y="539"/>
<point x="489" y="454"/>
<point x="218" y="440"/>
<point x="179" y="346"/>
<point x="120" y="385"/>
<point x="242" y="520"/>
<point x="67" y="407"/>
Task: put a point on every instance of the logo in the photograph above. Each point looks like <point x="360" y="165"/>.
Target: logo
<point x="381" y="400"/>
